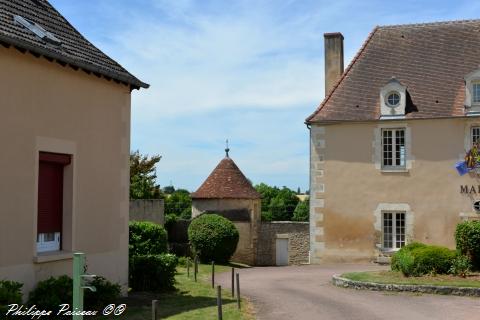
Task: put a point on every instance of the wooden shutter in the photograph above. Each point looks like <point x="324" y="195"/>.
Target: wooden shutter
<point x="50" y="192"/>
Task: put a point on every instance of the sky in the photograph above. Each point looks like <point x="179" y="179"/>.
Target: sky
<point x="249" y="71"/>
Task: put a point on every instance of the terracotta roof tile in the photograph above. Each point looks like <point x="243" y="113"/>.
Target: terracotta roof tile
<point x="431" y="59"/>
<point x="74" y="49"/>
<point x="226" y="182"/>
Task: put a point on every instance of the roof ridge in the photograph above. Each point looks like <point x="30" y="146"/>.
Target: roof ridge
<point x="344" y="74"/>
<point x="433" y="23"/>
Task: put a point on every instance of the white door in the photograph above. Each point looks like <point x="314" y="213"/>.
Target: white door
<point x="281" y="249"/>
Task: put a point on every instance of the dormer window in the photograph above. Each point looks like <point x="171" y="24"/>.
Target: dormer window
<point x="393" y="100"/>
<point x="472" y="93"/>
<point x="476" y="92"/>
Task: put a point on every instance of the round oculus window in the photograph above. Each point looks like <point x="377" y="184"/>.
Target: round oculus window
<point x="393" y="99"/>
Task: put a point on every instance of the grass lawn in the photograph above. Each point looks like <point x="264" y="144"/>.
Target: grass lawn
<point x="395" y="277"/>
<point x="191" y="300"/>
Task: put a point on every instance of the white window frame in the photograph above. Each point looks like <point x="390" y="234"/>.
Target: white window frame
<point x="402" y="158"/>
<point x="474" y="135"/>
<point x="47" y="242"/>
<point x="394" y="246"/>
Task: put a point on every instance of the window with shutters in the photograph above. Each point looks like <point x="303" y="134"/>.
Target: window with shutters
<point x="50" y="200"/>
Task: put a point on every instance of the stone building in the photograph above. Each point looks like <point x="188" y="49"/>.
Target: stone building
<point x="386" y="141"/>
<point x="228" y="192"/>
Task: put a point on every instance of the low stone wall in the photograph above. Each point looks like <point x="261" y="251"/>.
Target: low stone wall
<point x="457" y="291"/>
<point x="147" y="210"/>
<point x="298" y="242"/>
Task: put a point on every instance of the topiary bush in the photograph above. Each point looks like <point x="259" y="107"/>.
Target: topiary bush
<point x="432" y="260"/>
<point x="153" y="272"/>
<point x="467" y="237"/>
<point x="419" y="259"/>
<point x="213" y="238"/>
<point x="147" y="238"/>
<point x="106" y="293"/>
<point x="10" y="292"/>
<point x="51" y="293"/>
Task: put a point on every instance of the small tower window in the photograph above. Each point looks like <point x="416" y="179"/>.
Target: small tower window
<point x="393" y="98"/>
<point x="476" y="92"/>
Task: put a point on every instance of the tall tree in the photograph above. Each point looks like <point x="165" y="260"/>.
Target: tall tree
<point x="143" y="176"/>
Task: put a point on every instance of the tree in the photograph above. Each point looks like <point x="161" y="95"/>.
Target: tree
<point x="143" y="176"/>
<point x="179" y="203"/>
<point x="277" y="204"/>
<point x="168" y="189"/>
<point x="301" y="212"/>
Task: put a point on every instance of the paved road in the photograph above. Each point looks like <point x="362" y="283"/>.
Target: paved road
<point x="305" y="292"/>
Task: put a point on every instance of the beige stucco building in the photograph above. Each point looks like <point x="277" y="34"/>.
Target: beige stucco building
<point x="65" y="137"/>
<point x="385" y="141"/>
<point x="228" y="192"/>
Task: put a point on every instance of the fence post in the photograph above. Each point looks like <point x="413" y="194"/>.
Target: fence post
<point x="154" y="309"/>
<point x="219" y="302"/>
<point x="238" y="290"/>
<point x="233" y="282"/>
<point x="213" y="274"/>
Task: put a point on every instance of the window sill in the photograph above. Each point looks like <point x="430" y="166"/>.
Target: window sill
<point x="44" y="257"/>
<point x="394" y="170"/>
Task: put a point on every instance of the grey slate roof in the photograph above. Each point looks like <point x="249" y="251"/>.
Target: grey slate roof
<point x="75" y="50"/>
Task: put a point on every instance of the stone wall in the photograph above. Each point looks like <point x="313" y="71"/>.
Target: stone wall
<point x="298" y="242"/>
<point x="147" y="210"/>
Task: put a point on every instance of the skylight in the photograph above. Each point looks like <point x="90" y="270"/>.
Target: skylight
<point x="38" y="30"/>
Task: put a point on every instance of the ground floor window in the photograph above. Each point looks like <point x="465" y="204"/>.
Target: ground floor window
<point x="50" y="200"/>
<point x="393" y="230"/>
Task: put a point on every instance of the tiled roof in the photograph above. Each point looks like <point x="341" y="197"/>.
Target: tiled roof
<point x="431" y="59"/>
<point x="226" y="182"/>
<point x="74" y="50"/>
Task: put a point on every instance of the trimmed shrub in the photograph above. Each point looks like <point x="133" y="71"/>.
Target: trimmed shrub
<point x="402" y="259"/>
<point x="266" y="216"/>
<point x="51" y="293"/>
<point x="302" y="212"/>
<point x="106" y="293"/>
<point x="467" y="237"/>
<point x="433" y="259"/>
<point x="418" y="259"/>
<point x="10" y="292"/>
<point x="213" y="237"/>
<point x="147" y="238"/>
<point x="153" y="272"/>
<point x="461" y="266"/>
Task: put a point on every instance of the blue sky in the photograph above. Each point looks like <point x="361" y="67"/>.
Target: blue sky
<point x="249" y="71"/>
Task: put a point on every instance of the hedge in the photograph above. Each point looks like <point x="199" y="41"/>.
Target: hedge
<point x="153" y="272"/>
<point x="213" y="238"/>
<point x="419" y="259"/>
<point x="10" y="292"/>
<point x="467" y="237"/>
<point x="147" y="238"/>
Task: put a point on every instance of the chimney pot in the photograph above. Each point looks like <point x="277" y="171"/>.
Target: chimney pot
<point x="333" y="59"/>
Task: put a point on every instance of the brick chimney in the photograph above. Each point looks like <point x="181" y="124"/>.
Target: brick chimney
<point x="333" y="59"/>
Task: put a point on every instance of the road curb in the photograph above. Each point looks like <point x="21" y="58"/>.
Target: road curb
<point x="445" y="290"/>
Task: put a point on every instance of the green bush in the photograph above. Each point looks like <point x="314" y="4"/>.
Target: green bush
<point x="51" y="293"/>
<point x="402" y="259"/>
<point x="302" y="211"/>
<point x="467" y="237"/>
<point x="461" y="266"/>
<point x="10" y="292"/>
<point x="266" y="216"/>
<point x="147" y="238"/>
<point x="153" y="272"/>
<point x="419" y="259"/>
<point x="106" y="293"/>
<point x="213" y="238"/>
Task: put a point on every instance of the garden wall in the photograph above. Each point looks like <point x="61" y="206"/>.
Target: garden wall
<point x="298" y="242"/>
<point x="147" y="210"/>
